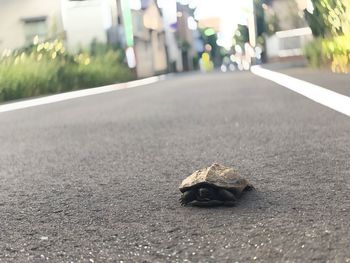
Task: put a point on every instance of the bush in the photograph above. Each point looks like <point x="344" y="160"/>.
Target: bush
<point x="46" y="68"/>
<point x="313" y="53"/>
<point x="333" y="52"/>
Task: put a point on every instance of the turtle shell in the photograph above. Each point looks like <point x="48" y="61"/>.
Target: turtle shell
<point x="218" y="176"/>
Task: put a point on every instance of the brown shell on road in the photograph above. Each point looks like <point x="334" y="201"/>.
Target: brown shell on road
<point x="216" y="175"/>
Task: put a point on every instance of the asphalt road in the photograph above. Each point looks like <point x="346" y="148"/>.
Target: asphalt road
<point x="96" y="179"/>
<point x="339" y="83"/>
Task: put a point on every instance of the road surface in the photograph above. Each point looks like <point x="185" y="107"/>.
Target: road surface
<point x="95" y="179"/>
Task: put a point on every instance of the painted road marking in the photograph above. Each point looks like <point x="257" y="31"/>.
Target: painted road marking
<point x="78" y="94"/>
<point x="331" y="99"/>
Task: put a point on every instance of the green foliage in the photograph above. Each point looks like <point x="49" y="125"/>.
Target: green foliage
<point x="46" y="68"/>
<point x="333" y="52"/>
<point x="211" y="39"/>
<point x="241" y="35"/>
<point x="329" y="18"/>
<point x="272" y="24"/>
<point x="25" y="79"/>
<point x="316" y="23"/>
<point x="260" y="17"/>
<point x="330" y="22"/>
<point x="313" y="53"/>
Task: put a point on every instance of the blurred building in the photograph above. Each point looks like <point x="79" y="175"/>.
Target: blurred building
<point x="77" y="22"/>
<point x="156" y="40"/>
<point x="86" y="21"/>
<point x="164" y="37"/>
<point x="187" y="36"/>
<point x="149" y="42"/>
<point x="288" y="14"/>
<point x="22" y="20"/>
<point x="212" y="22"/>
<point x="169" y="14"/>
<point x="291" y="31"/>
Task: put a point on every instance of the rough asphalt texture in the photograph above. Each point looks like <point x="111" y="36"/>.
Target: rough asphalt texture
<point x="339" y="83"/>
<point x="96" y="179"/>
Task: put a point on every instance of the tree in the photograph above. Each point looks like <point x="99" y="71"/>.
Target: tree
<point x="259" y="17"/>
<point x="241" y="35"/>
<point x="329" y="18"/>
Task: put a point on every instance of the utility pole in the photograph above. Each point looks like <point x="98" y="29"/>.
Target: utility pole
<point x="125" y="22"/>
<point x="252" y="25"/>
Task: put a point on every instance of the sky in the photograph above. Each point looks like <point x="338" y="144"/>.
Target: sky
<point x="231" y="13"/>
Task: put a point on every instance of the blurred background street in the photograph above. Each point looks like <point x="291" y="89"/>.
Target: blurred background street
<point x="65" y="45"/>
<point x="106" y="105"/>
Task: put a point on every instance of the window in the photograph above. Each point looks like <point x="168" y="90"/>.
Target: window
<point x="35" y="26"/>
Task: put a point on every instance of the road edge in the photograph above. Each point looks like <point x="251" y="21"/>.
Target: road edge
<point x="12" y="106"/>
<point x="321" y="95"/>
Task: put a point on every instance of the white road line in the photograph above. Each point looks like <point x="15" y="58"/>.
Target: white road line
<point x="331" y="99"/>
<point x="77" y="94"/>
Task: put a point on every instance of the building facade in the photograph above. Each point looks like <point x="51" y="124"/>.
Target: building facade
<point x="149" y="43"/>
<point x="85" y="22"/>
<point x="78" y="23"/>
<point x="22" y="20"/>
<point x="153" y="43"/>
<point x="292" y="30"/>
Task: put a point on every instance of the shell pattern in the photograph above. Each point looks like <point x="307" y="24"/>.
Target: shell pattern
<point x="216" y="175"/>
